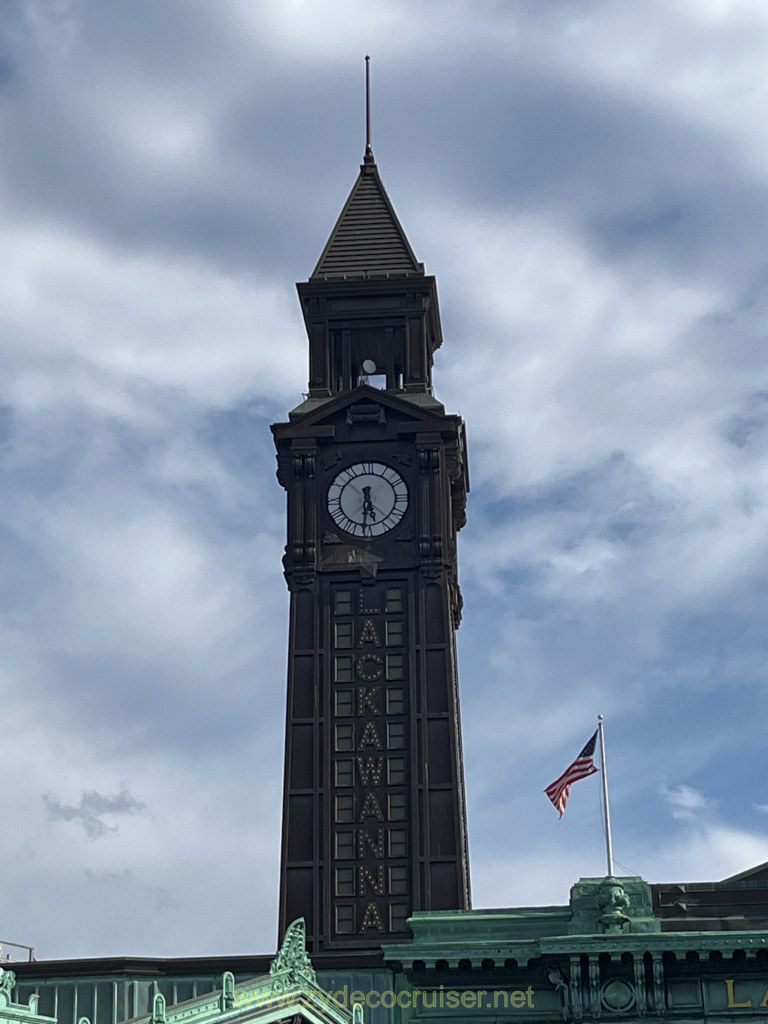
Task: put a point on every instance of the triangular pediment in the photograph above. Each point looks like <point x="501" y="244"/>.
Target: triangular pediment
<point x="289" y="994"/>
<point x="368" y="404"/>
<point x="260" y="1000"/>
<point x="759" y="873"/>
<point x="367" y="240"/>
<point x="343" y="553"/>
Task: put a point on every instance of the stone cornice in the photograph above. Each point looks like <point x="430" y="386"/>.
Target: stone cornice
<point x="454" y="951"/>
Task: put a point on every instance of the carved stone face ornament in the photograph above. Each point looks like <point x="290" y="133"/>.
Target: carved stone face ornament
<point x="613" y="902"/>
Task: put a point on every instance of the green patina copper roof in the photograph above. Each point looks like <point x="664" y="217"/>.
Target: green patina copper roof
<point x="368" y="240"/>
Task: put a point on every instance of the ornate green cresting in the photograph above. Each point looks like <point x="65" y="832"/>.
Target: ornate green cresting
<point x="292" y="965"/>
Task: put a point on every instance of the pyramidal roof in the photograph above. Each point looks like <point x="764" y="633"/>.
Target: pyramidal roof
<point x="368" y="240"/>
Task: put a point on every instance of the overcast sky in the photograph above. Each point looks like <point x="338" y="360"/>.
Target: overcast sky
<point x="587" y="180"/>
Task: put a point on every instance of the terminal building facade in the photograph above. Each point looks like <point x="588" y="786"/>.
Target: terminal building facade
<point x="375" y="914"/>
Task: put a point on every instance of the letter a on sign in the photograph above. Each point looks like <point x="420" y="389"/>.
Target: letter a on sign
<point x="371" y="808"/>
<point x="370" y="738"/>
<point x="372" y="919"/>
<point x="368" y="635"/>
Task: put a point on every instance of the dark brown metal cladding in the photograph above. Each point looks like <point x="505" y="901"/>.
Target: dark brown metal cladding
<point x="395" y="321"/>
<point x="367" y="239"/>
<point x="373" y="819"/>
<point x="733" y="904"/>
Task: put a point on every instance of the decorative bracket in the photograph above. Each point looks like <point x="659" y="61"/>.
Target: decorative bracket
<point x="577" y="1009"/>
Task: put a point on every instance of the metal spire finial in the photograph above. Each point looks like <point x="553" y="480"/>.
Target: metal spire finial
<point x="368" y="149"/>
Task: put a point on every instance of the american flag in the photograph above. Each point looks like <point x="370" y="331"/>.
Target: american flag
<point x="583" y="766"/>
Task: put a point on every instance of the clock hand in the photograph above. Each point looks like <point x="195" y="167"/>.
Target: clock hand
<point x="368" y="506"/>
<point x="376" y="507"/>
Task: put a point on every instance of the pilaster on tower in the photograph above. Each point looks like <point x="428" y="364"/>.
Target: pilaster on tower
<point x="376" y="478"/>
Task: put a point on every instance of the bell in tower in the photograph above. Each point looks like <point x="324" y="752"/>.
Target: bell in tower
<point x="376" y="478"/>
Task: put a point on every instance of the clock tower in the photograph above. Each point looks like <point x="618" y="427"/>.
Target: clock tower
<point x="376" y="478"/>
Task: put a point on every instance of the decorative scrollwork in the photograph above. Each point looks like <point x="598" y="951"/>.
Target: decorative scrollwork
<point x="292" y="965"/>
<point x="7" y="982"/>
<point x="558" y="979"/>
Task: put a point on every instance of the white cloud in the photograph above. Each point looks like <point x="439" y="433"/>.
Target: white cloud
<point x="686" y="802"/>
<point x="586" y="183"/>
<point x="97" y="328"/>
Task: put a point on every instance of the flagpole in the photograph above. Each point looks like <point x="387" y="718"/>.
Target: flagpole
<point x="606" y="804"/>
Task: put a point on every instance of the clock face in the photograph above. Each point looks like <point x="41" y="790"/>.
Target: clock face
<point x="367" y="499"/>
